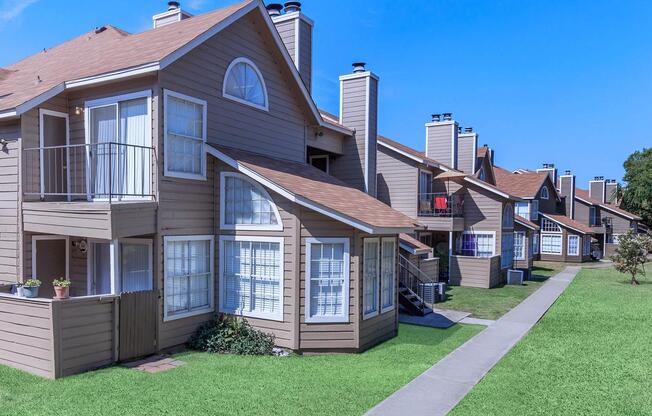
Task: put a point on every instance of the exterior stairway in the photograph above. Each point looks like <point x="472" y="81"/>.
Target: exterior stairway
<point x="411" y="289"/>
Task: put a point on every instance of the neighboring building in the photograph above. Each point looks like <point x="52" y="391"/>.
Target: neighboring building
<point x="596" y="208"/>
<point x="166" y="174"/>
<point x="468" y="222"/>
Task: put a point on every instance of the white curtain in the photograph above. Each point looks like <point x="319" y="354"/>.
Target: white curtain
<point x="327" y="280"/>
<point x="136" y="267"/>
<point x="134" y="162"/>
<point x="103" y="132"/>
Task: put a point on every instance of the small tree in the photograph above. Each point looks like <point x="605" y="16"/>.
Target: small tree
<point x="632" y="254"/>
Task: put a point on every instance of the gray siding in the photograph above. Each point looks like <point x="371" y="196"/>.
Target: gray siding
<point x="475" y="271"/>
<point x="288" y="35"/>
<point x="442" y="142"/>
<point x="398" y="181"/>
<point x="279" y="132"/>
<point x="9" y="203"/>
<point x="597" y="190"/>
<point x="305" y="53"/>
<point x="567" y="189"/>
<point x="350" y="167"/>
<point x="466" y="153"/>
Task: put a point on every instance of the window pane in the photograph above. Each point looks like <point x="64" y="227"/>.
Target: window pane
<point x="519" y="246"/>
<point x="246" y="204"/>
<point x="370" y="278"/>
<point x="388" y="268"/>
<point x="136" y="271"/>
<point x="243" y="82"/>
<point x="550" y="244"/>
<point x="185" y="136"/>
<point x="327" y="280"/>
<point x="188" y="276"/>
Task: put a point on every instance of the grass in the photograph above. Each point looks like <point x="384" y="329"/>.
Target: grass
<point x="494" y="303"/>
<point x="590" y="355"/>
<point x="344" y="384"/>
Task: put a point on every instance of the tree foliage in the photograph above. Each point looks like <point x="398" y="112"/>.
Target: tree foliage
<point x="637" y="197"/>
<point x="632" y="254"/>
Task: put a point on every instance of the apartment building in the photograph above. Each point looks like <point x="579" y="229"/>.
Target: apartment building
<point x="170" y="175"/>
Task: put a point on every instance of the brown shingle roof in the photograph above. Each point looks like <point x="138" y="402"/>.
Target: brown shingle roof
<point x="523" y="185"/>
<point x="94" y="54"/>
<point x="332" y="119"/>
<point x="307" y="182"/>
<point x="482" y="151"/>
<point x="570" y="223"/>
<point x="526" y="222"/>
<point x="417" y="246"/>
<point x="584" y="194"/>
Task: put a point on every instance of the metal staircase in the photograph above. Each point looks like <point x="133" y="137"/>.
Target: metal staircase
<point x="412" y="284"/>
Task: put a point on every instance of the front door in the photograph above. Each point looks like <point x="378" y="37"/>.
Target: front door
<point x="49" y="262"/>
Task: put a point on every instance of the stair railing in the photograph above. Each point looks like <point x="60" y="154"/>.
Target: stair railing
<point x="412" y="277"/>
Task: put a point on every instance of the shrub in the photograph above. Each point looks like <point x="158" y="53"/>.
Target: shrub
<point x="632" y="254"/>
<point x="32" y="283"/>
<point x="230" y="335"/>
<point x="61" y="283"/>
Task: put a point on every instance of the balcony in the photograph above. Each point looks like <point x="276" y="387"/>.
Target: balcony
<point x="101" y="190"/>
<point x="441" y="211"/>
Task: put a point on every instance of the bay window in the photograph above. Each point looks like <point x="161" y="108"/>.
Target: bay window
<point x="519" y="245"/>
<point x="184" y="136"/>
<point x="388" y="274"/>
<point x="551" y="243"/>
<point x="327" y="280"/>
<point x="573" y="245"/>
<point x="507" y="250"/>
<point x="246" y="205"/>
<point x="188" y="275"/>
<point x="251" y="276"/>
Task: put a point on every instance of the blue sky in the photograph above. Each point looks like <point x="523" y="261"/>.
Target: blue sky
<point x="567" y="82"/>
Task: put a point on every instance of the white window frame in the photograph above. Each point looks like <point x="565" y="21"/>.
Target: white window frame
<point x="545" y="192"/>
<point x="278" y="316"/>
<point x="317" y="157"/>
<point x="344" y="318"/>
<point x="577" y="245"/>
<point x="376" y="312"/>
<point x="522" y="255"/>
<point x="380" y="284"/>
<point x="106" y="102"/>
<point x="183" y="175"/>
<point x="238" y="99"/>
<point x="42" y="113"/>
<point x="493" y="247"/>
<point x="519" y="212"/>
<point x="211" y="292"/>
<point x="561" y="245"/>
<point x="251" y="227"/>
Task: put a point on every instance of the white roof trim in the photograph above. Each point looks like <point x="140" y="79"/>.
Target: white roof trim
<point x="8" y="114"/>
<point x="401" y="152"/>
<point x="357" y="75"/>
<point x="481" y="184"/>
<point x="289" y="16"/>
<point x="526" y="225"/>
<point x="369" y="229"/>
<point x="332" y="126"/>
<point x="564" y="225"/>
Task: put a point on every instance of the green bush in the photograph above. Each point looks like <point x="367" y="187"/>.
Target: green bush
<point x="230" y="335"/>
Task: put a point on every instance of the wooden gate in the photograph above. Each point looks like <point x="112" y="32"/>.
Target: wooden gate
<point x="138" y="314"/>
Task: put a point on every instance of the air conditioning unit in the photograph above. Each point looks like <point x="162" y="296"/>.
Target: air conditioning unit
<point x="515" y="277"/>
<point x="429" y="291"/>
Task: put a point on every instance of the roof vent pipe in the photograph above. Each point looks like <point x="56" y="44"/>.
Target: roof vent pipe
<point x="173" y="5"/>
<point x="274" y="9"/>
<point x="448" y="116"/>
<point x="436" y="117"/>
<point x="357" y="66"/>
<point x="292" y="6"/>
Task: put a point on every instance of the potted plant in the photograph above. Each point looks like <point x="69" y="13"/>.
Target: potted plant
<point x="30" y="288"/>
<point x="61" y="288"/>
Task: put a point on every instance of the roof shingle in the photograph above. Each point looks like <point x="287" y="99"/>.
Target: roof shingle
<point x="523" y="185"/>
<point x="584" y="194"/>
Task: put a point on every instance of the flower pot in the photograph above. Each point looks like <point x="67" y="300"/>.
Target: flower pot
<point x="19" y="292"/>
<point x="30" y="292"/>
<point x="61" y="292"/>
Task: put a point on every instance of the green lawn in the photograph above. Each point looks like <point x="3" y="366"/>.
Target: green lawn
<point x="345" y="384"/>
<point x="590" y="355"/>
<point x="494" y="303"/>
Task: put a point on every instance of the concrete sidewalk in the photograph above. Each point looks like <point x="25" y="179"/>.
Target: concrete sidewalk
<point x="440" y="388"/>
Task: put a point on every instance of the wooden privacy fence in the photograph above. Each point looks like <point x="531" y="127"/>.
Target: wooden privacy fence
<point x="137" y="324"/>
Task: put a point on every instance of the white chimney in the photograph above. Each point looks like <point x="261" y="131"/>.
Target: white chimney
<point x="295" y="29"/>
<point x="172" y="15"/>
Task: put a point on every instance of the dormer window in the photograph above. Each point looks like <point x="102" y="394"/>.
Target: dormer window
<point x="545" y="194"/>
<point x="244" y="83"/>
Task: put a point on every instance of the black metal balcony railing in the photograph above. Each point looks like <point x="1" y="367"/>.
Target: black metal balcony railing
<point x="106" y="171"/>
<point x="440" y="204"/>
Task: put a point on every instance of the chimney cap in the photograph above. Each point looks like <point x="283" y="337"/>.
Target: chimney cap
<point x="436" y="117"/>
<point x="274" y="9"/>
<point x="568" y="172"/>
<point x="468" y="129"/>
<point x="485" y="145"/>
<point x="598" y="178"/>
<point x="173" y="5"/>
<point x="448" y="116"/>
<point x="292" y="6"/>
<point x="358" y="66"/>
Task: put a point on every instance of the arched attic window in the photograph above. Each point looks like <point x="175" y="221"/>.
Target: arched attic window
<point x="545" y="194"/>
<point x="244" y="83"/>
<point x="246" y="205"/>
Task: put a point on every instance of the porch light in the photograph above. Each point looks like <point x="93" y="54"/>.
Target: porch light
<point x="79" y="111"/>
